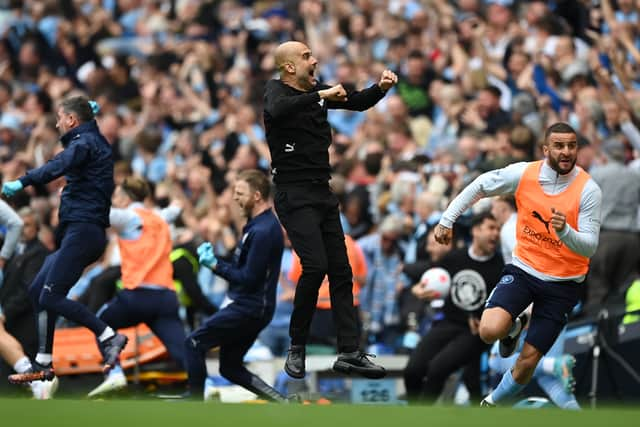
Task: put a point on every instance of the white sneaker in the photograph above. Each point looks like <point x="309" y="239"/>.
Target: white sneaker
<point x="211" y="393"/>
<point x="114" y="381"/>
<point x="44" y="390"/>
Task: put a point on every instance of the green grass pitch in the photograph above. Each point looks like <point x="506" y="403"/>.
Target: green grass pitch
<point x="157" y="413"/>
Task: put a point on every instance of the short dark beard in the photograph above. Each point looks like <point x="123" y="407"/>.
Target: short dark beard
<point x="556" y="166"/>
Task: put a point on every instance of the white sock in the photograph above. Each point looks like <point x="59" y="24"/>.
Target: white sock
<point x="117" y="370"/>
<point x="515" y="328"/>
<point x="44" y="359"/>
<point x="22" y="365"/>
<point x="548" y="364"/>
<point x="106" y="334"/>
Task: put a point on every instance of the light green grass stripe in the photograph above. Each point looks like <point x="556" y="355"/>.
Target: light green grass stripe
<point x="149" y="413"/>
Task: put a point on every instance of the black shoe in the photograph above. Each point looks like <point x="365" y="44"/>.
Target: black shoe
<point x="37" y="372"/>
<point x="508" y="345"/>
<point x="111" y="349"/>
<point x="359" y="363"/>
<point x="294" y="365"/>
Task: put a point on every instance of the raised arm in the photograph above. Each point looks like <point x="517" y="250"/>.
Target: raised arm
<point x="492" y="183"/>
<point x="367" y="98"/>
<point x="74" y="155"/>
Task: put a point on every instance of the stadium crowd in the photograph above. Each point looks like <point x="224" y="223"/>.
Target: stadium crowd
<point x="180" y="84"/>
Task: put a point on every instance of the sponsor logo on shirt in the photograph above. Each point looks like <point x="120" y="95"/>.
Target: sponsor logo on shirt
<point x="541" y="239"/>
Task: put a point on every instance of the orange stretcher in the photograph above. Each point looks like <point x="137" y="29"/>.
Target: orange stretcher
<point x="75" y="350"/>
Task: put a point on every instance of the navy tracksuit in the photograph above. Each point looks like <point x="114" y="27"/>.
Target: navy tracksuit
<point x="253" y="278"/>
<point x="155" y="307"/>
<point x="87" y="165"/>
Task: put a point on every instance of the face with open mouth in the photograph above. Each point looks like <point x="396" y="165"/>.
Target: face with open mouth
<point x="312" y="75"/>
<point x="306" y="65"/>
<point x="561" y="151"/>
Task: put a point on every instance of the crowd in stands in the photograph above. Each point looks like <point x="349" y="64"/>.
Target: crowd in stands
<point x="180" y="84"/>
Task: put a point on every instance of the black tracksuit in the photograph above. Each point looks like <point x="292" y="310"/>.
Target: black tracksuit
<point x="299" y="136"/>
<point x="450" y="345"/>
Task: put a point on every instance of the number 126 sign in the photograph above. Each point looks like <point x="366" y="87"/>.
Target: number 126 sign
<point x="369" y="391"/>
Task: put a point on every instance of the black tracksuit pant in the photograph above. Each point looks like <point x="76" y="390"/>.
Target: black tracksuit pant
<point x="309" y="213"/>
<point x="447" y="347"/>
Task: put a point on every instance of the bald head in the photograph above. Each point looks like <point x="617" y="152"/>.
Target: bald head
<point x="287" y="51"/>
<point x="296" y="65"/>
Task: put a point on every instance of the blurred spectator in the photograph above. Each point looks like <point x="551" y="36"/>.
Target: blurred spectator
<point x="503" y="209"/>
<point x="385" y="281"/>
<point x="413" y="85"/>
<point x="618" y="253"/>
<point x="18" y="334"/>
<point x="486" y="114"/>
<point x="427" y="214"/>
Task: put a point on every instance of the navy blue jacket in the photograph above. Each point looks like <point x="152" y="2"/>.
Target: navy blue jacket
<point x="87" y="164"/>
<point x="254" y="271"/>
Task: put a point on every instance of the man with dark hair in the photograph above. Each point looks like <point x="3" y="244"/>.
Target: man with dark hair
<point x="556" y="232"/>
<point x="453" y="342"/>
<point x="299" y="135"/>
<point x="413" y="87"/>
<point x="253" y="277"/>
<point x="486" y="115"/>
<point x="87" y="165"/>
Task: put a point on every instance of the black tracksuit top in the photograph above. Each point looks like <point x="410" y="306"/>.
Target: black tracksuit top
<point x="297" y="130"/>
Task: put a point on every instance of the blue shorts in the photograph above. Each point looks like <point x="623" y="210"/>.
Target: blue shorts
<point x="552" y="303"/>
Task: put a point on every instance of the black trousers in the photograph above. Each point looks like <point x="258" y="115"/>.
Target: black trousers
<point x="323" y="330"/>
<point x="309" y="213"/>
<point x="446" y="347"/>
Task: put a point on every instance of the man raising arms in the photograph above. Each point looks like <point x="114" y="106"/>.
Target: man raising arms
<point x="299" y="135"/>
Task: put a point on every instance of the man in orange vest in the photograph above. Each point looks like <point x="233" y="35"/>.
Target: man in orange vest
<point x="322" y="326"/>
<point x="148" y="295"/>
<point x="556" y="233"/>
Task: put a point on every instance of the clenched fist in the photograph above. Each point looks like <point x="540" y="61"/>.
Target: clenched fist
<point x="387" y="80"/>
<point x="443" y="234"/>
